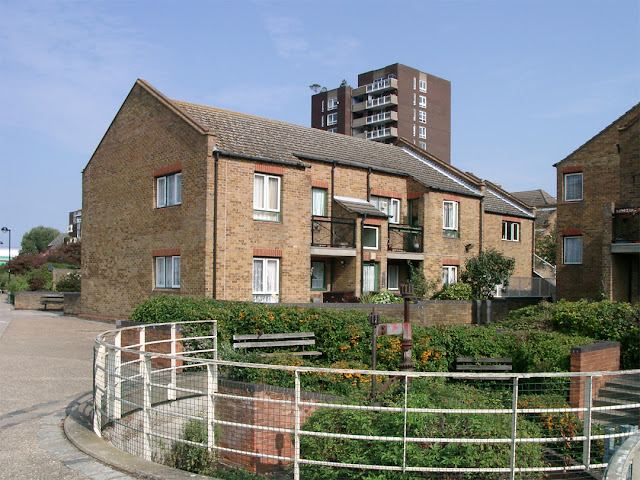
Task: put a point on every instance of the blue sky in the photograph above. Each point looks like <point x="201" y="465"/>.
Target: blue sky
<point x="531" y="80"/>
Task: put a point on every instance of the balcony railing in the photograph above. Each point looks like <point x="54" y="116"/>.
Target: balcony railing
<point x="376" y="102"/>
<point x="626" y="225"/>
<point x="379" y="133"/>
<point x="379" y="85"/>
<point x="333" y="232"/>
<point x="380" y="117"/>
<point x="404" y="238"/>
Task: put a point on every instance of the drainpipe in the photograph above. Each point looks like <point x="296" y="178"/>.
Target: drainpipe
<point x="215" y="220"/>
<point x="364" y="218"/>
<point x="483" y="189"/>
<point x="368" y="185"/>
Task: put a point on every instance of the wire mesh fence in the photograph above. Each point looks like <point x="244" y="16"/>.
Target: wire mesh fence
<point x="172" y="398"/>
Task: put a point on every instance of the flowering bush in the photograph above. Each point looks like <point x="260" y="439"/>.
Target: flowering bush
<point x="385" y="297"/>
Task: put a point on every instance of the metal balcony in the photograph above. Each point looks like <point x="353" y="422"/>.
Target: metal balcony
<point x="379" y="86"/>
<point x="626" y="230"/>
<point x="375" y="103"/>
<point x="404" y="238"/>
<point x="333" y="232"/>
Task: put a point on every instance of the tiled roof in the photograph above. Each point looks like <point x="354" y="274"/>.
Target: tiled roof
<point x="359" y="206"/>
<point x="248" y="135"/>
<point x="535" y="198"/>
<point x="242" y="134"/>
<point x="496" y="201"/>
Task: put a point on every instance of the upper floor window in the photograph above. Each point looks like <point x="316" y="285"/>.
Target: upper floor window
<point x="422" y="132"/>
<point x="332" y="104"/>
<point x="323" y="105"/>
<point x="332" y="130"/>
<point x="510" y="231"/>
<point x="414" y="98"/>
<point x="422" y="145"/>
<point x="390" y="206"/>
<point x="332" y="119"/>
<point x="450" y="219"/>
<point x="422" y="116"/>
<point x="168" y="272"/>
<point x="266" y="197"/>
<point x="370" y="237"/>
<point x="449" y="274"/>
<point x="573" y="250"/>
<point x="319" y="201"/>
<point x="414" y="83"/>
<point x="423" y="85"/>
<point x="573" y="187"/>
<point x="322" y="121"/>
<point x="169" y="190"/>
<point x="423" y="101"/>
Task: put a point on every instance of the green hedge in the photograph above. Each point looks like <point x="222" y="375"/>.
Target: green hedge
<point x="344" y="336"/>
<point x="605" y="320"/>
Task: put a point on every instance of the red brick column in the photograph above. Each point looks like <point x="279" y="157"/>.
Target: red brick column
<point x="597" y="357"/>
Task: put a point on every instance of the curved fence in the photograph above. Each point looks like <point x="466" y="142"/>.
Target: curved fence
<point x="167" y="393"/>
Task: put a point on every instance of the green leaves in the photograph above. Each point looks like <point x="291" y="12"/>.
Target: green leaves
<point x="487" y="270"/>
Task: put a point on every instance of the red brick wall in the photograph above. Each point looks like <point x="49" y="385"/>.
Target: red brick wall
<point x="132" y="337"/>
<point x="597" y="357"/>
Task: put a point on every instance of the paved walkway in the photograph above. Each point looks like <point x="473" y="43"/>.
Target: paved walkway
<point x="45" y="371"/>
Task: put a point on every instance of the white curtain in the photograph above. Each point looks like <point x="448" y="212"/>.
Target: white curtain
<point x="318" y="201"/>
<point x="161" y="192"/>
<point x="160" y="272"/>
<point x="573" y="250"/>
<point x="368" y="278"/>
<point x="176" y="272"/>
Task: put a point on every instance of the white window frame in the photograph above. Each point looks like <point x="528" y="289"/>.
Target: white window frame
<point x="396" y="269"/>
<point x="332" y="119"/>
<point x="449" y="274"/>
<point x="414" y="83"/>
<point x="422" y="116"/>
<point x="332" y="130"/>
<point x="377" y="230"/>
<point x="453" y="223"/>
<point x="422" y="145"/>
<point x="576" y="257"/>
<point x="394" y="211"/>
<point x="422" y="86"/>
<point x="422" y="101"/>
<point x="422" y="132"/>
<point x="315" y="192"/>
<point x="568" y="176"/>
<point x="332" y="104"/>
<point x="269" y="289"/>
<point x="261" y="199"/>
<point x="414" y="98"/>
<point x="414" y="114"/>
<point x="169" y="190"/>
<point x="167" y="272"/>
<point x="323" y="106"/>
<point x="322" y="121"/>
<point x="510" y="231"/>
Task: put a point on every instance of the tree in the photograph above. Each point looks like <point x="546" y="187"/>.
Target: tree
<point x="37" y="239"/>
<point x="486" y="271"/>
<point x="546" y="246"/>
<point x="315" y="87"/>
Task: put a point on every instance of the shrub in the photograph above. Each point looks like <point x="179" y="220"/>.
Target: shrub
<point x="487" y="270"/>
<point x="454" y="291"/>
<point x="24" y="263"/>
<point x="385" y="297"/>
<point x="36" y="283"/>
<point x="69" y="254"/>
<point x="70" y="283"/>
<point x="432" y="393"/>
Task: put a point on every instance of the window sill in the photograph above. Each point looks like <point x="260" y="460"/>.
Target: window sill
<point x="168" y="206"/>
<point x="166" y="290"/>
<point x="512" y="241"/>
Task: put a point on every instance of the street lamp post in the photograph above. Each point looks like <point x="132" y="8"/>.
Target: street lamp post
<point x="8" y="230"/>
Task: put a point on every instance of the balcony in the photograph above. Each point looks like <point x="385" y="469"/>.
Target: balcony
<point x="375" y="103"/>
<point x="405" y="242"/>
<point x="377" y="118"/>
<point x="382" y="133"/>
<point x="334" y="233"/>
<point x="379" y="86"/>
<point x="626" y="230"/>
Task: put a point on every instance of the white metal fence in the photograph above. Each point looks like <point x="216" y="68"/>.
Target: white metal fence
<point x="169" y="395"/>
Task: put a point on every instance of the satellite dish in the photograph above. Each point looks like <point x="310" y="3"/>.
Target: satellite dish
<point x="50" y="268"/>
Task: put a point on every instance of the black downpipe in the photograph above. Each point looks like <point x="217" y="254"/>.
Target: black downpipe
<point x="215" y="222"/>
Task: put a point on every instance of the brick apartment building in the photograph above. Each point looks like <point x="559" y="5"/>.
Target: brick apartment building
<point x="194" y="200"/>
<point x="390" y="103"/>
<point x="599" y="215"/>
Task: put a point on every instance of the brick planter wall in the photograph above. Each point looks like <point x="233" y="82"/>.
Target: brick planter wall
<point x="72" y="303"/>
<point x="597" y="357"/>
<point x="152" y="334"/>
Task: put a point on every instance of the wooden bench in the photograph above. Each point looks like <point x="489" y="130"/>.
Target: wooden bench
<point x="483" y="365"/>
<point x="271" y="340"/>
<point x="52" y="299"/>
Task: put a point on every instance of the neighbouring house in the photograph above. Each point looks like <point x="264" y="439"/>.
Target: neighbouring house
<point x="74" y="230"/>
<point x="599" y="215"/>
<point x="546" y="208"/>
<point x="193" y="200"/>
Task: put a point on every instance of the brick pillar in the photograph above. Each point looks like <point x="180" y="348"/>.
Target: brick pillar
<point x="597" y="357"/>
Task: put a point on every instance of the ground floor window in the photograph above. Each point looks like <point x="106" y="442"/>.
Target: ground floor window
<point x="573" y="250"/>
<point x="318" y="279"/>
<point x="449" y="274"/>
<point x="393" y="276"/>
<point x="266" y="280"/>
<point x="168" y="272"/>
<point x="369" y="277"/>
